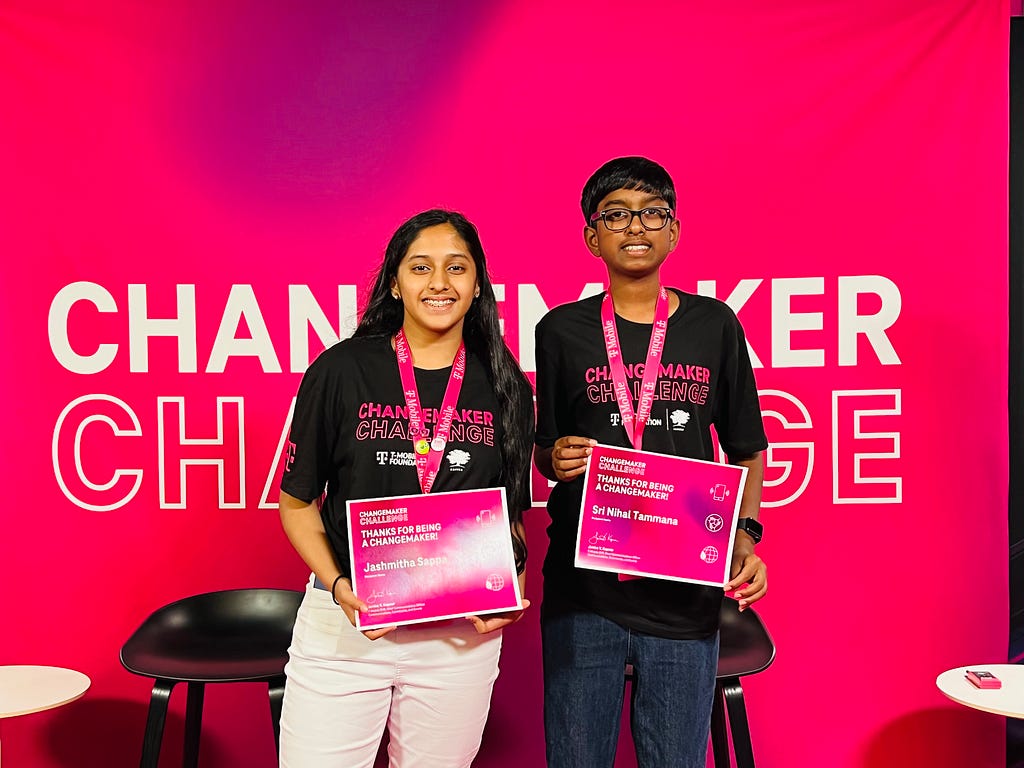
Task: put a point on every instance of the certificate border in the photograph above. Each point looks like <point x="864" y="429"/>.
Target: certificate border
<point x="511" y="562"/>
<point x="732" y="537"/>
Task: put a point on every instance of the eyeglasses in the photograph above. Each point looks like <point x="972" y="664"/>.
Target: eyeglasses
<point x="620" y="219"/>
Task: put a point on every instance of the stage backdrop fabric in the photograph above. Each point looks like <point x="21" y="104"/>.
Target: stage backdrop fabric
<point x="195" y="194"/>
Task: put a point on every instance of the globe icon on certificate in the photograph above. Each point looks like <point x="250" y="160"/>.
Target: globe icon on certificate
<point x="709" y="554"/>
<point x="714" y="523"/>
<point x="495" y="582"/>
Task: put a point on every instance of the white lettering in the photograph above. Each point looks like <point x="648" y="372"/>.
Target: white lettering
<point x="304" y="312"/>
<point x="275" y="472"/>
<point x="788" y="465"/>
<point x="141" y="327"/>
<point x="57" y="327"/>
<point x="175" y="448"/>
<point x="744" y="290"/>
<point x="785" y="322"/>
<point x="852" y="324"/>
<point x="241" y="305"/>
<point x="532" y="308"/>
<point x="850" y="484"/>
<point x="72" y="422"/>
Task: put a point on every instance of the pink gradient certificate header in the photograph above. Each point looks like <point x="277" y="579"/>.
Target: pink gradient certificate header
<point x="432" y="556"/>
<point x="667" y="517"/>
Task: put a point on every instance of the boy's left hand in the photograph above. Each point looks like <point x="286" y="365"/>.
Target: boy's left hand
<point x="747" y="569"/>
<point x="493" y="621"/>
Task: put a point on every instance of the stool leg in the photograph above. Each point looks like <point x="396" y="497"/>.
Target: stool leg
<point x="276" y="691"/>
<point x="719" y="734"/>
<point x="193" y="724"/>
<point x="738" y="723"/>
<point x="155" y="723"/>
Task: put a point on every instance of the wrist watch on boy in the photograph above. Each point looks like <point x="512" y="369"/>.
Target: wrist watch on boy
<point x="753" y="528"/>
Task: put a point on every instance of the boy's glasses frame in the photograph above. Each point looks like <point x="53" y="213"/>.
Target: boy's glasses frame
<point x="620" y="219"/>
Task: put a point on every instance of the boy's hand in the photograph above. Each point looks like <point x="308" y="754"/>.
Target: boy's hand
<point x="569" y="456"/>
<point x="747" y="569"/>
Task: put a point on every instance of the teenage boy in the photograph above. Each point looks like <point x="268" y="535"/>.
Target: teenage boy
<point x="592" y="622"/>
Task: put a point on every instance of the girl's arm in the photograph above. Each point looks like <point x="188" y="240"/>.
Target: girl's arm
<point x="305" y="530"/>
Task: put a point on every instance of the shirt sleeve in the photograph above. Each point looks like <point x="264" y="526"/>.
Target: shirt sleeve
<point x="525" y="500"/>
<point x="738" y="419"/>
<point x="550" y="388"/>
<point x="307" y="455"/>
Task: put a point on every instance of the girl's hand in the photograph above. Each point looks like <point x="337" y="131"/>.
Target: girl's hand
<point x="350" y="604"/>
<point x="493" y="621"/>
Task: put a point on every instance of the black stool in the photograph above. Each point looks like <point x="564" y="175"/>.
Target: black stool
<point x="233" y="636"/>
<point x="745" y="648"/>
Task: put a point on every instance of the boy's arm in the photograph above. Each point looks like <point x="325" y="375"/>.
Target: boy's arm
<point x="566" y="458"/>
<point x="747" y="567"/>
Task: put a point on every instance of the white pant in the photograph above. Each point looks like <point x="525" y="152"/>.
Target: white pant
<point x="430" y="684"/>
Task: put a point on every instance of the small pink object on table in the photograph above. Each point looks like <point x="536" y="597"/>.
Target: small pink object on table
<point x="981" y="678"/>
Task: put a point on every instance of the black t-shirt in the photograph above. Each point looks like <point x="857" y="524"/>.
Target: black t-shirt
<point x="705" y="381"/>
<point x="349" y="433"/>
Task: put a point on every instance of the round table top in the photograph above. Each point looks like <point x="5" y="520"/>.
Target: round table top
<point x="25" y="689"/>
<point x="1008" y="700"/>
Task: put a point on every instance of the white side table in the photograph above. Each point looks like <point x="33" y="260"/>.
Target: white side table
<point x="25" y="689"/>
<point x="1007" y="701"/>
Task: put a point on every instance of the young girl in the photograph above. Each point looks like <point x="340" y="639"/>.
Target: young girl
<point x="430" y="683"/>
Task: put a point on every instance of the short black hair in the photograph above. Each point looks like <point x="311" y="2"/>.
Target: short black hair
<point x="627" y="173"/>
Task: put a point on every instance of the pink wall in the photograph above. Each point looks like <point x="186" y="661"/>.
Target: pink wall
<point x="842" y="178"/>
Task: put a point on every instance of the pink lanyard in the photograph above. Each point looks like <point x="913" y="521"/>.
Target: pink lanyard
<point x="428" y="454"/>
<point x="635" y="423"/>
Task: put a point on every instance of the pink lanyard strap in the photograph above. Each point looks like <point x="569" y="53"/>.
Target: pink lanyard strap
<point x="428" y="453"/>
<point x="635" y="423"/>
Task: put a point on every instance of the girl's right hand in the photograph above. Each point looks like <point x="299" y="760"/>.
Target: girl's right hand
<point x="569" y="456"/>
<point x="350" y="604"/>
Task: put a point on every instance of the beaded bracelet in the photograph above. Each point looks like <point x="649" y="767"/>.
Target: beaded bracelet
<point x="334" y="586"/>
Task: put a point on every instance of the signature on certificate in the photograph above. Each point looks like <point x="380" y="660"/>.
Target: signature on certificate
<point x="602" y="538"/>
<point x="379" y="594"/>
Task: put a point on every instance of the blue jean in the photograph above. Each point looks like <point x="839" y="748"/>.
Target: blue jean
<point x="670" y="706"/>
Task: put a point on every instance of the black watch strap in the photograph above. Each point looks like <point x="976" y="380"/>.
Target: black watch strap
<point x="753" y="528"/>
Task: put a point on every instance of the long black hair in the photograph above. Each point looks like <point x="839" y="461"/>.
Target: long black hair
<point x="481" y="333"/>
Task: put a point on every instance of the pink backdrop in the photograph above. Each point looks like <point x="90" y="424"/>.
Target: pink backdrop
<point x="191" y="193"/>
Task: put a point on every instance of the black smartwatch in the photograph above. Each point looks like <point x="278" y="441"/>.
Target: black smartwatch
<point x="753" y="528"/>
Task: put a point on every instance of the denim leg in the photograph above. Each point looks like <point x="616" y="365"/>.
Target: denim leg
<point x="670" y="707"/>
<point x="584" y="664"/>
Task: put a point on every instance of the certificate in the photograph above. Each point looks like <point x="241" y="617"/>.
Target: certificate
<point x="431" y="556"/>
<point x="668" y="517"/>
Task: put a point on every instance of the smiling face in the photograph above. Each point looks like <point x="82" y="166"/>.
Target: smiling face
<point x="436" y="281"/>
<point x="635" y="252"/>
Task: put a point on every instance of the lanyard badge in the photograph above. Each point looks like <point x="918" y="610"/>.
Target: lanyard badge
<point x="634" y="422"/>
<point x="428" y="452"/>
